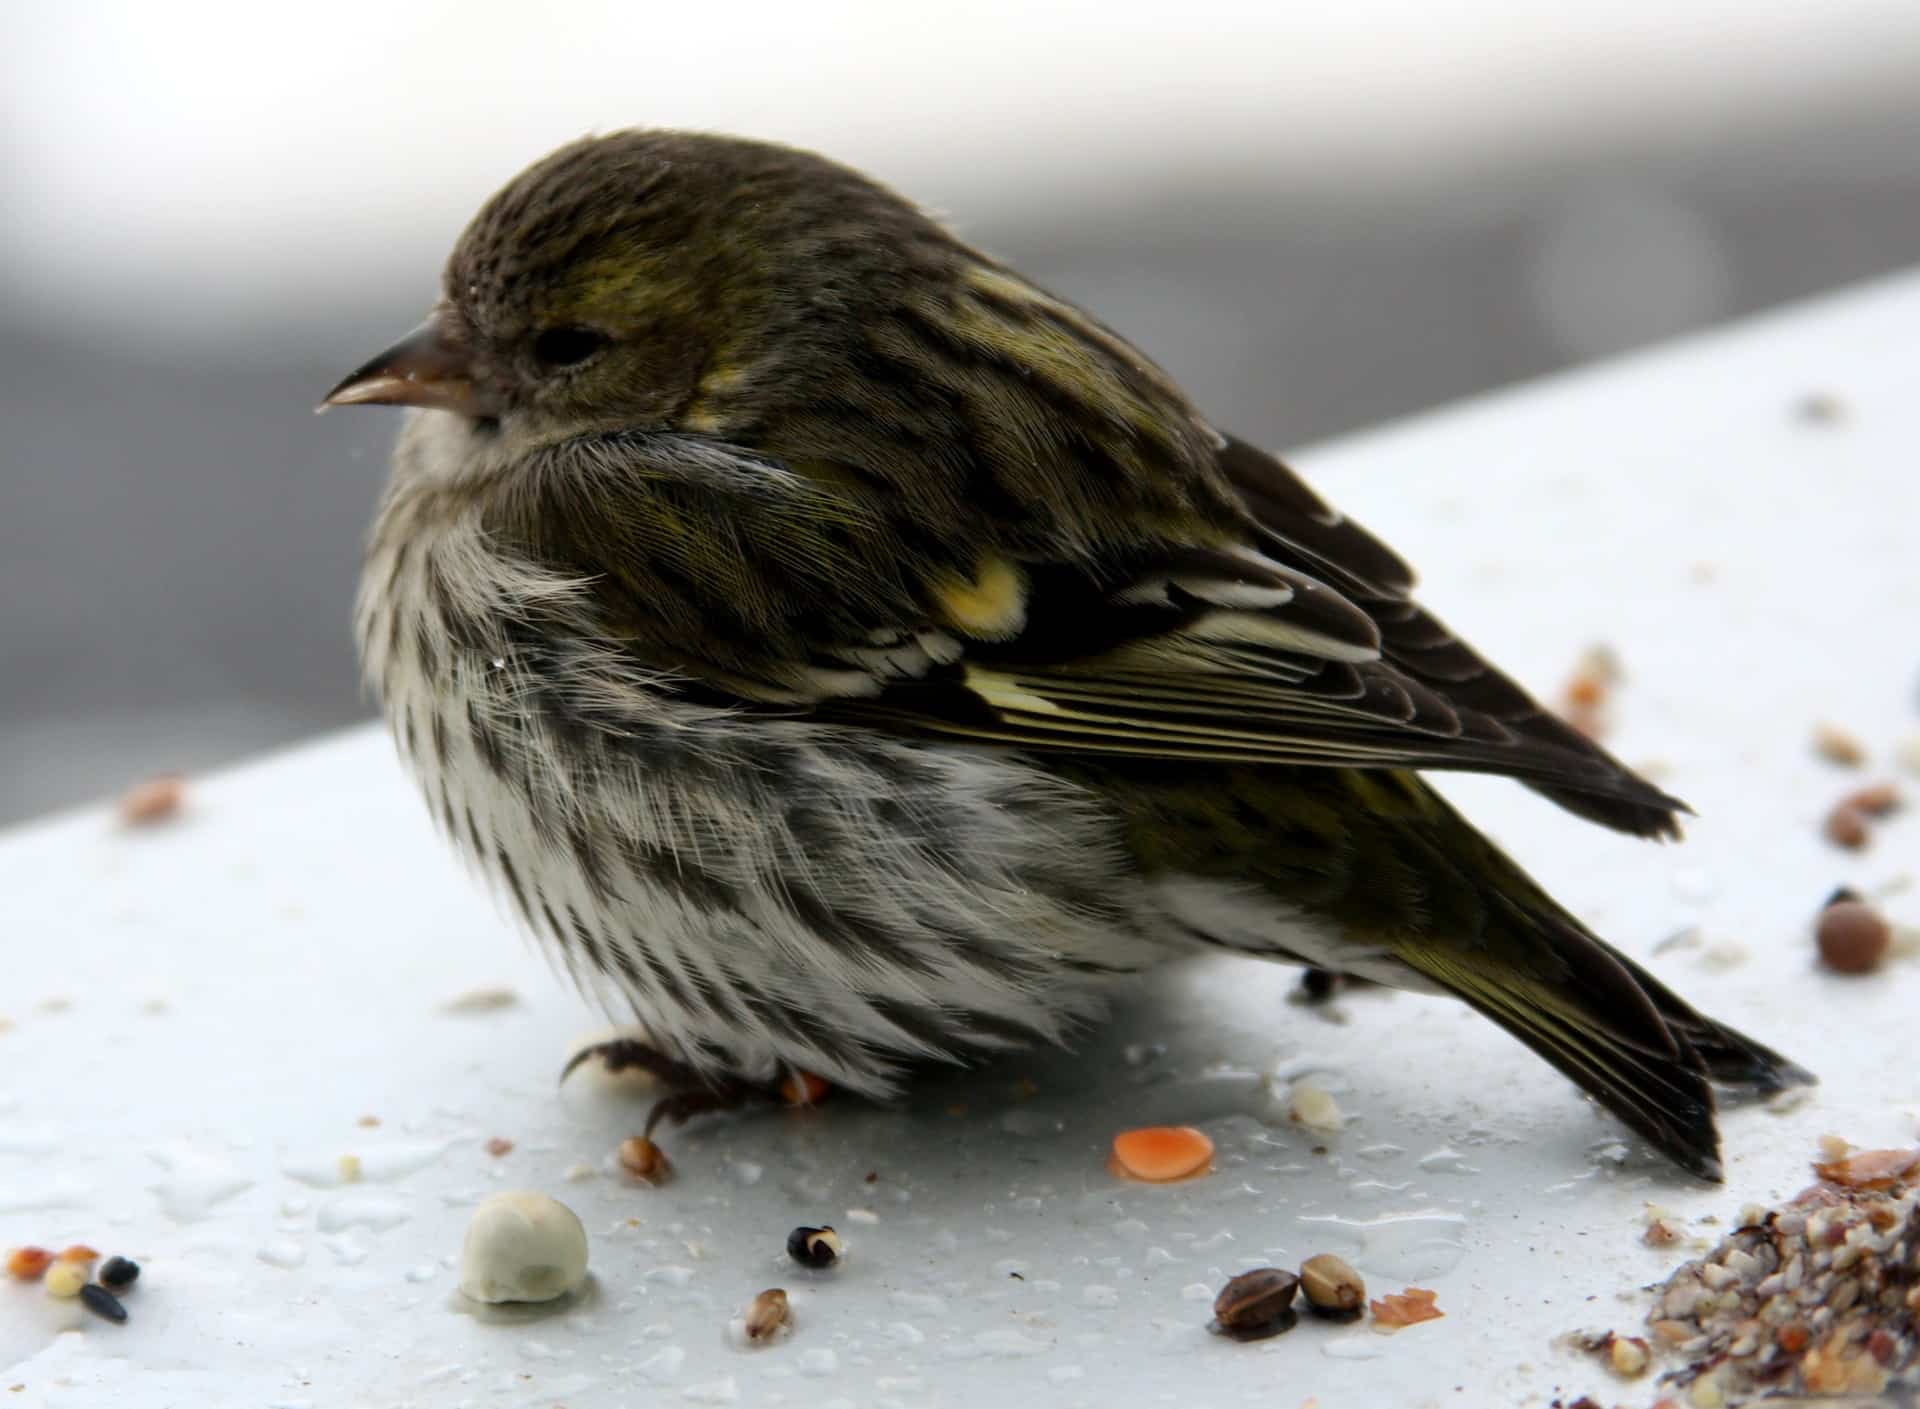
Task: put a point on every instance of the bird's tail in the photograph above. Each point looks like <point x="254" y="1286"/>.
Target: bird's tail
<point x="1622" y="1036"/>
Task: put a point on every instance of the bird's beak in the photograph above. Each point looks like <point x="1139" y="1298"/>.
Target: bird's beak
<point x="428" y="367"/>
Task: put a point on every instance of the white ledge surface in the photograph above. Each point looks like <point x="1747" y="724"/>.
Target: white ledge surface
<point x="200" y="1015"/>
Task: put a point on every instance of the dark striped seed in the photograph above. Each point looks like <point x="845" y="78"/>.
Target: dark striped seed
<point x="103" y="1303"/>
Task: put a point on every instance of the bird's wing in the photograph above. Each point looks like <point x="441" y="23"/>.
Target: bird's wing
<point x="1298" y="645"/>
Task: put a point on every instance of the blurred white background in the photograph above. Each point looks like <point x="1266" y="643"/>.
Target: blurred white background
<point x="1317" y="216"/>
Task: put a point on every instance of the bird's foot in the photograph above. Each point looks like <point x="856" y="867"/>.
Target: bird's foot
<point x="691" y="1092"/>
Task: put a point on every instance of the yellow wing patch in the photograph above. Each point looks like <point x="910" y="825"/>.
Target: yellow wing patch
<point x="992" y="607"/>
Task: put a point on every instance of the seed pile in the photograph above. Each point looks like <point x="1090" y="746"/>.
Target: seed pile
<point x="1819" y="1296"/>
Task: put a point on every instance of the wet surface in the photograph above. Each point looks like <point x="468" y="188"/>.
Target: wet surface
<point x="232" y="1046"/>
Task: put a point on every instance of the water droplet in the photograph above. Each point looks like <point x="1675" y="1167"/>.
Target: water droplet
<point x="283" y="1252"/>
<point x="1132" y="1229"/>
<point x="346" y="1252"/>
<point x="746" y="1172"/>
<point x="818" y="1361"/>
<point x="1694" y="885"/>
<point x="1365" y="1346"/>
<point x="422" y="1272"/>
<point x="59" y="1192"/>
<point x="724" y="1391"/>
<point x="1196" y="1291"/>
<point x="1026" y="1122"/>
<point x="293" y="1207"/>
<point x="380" y="1163"/>
<point x="920" y="1303"/>
<point x="906" y="1333"/>
<point x="1061" y="1374"/>
<point x="195" y="1183"/>
<point x="664" y="1363"/>
<point x="1405" y="1246"/>
<point x="34" y="1141"/>
<point x="370" y="1211"/>
<point x="542" y="1350"/>
<point x="1008" y="1343"/>
<point x="862" y="1215"/>
<point x="672" y="1276"/>
<point x="1159" y="1257"/>
<point x="1446" y="1160"/>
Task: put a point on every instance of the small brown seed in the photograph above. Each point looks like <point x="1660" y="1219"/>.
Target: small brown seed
<point x="1853" y="937"/>
<point x="766" y="1314"/>
<point x="155" y="800"/>
<point x="1875" y="800"/>
<point x="1257" y="1304"/>
<point x="1836" y="745"/>
<point x="1847" y="827"/>
<point x="643" y="1159"/>
<point x="1333" y="1289"/>
<point x="814" y="1247"/>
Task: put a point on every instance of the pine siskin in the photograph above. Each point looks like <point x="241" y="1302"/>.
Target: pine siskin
<point x="846" y="653"/>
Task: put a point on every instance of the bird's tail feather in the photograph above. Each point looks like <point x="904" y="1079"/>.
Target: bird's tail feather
<point x="1608" y="1037"/>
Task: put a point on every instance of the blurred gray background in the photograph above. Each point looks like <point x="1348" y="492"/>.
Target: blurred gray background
<point x="1317" y="221"/>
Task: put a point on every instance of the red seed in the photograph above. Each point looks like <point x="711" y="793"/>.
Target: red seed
<point x="28" y="1263"/>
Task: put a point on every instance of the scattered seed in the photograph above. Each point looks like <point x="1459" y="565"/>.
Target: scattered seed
<point x="643" y="1159"/>
<point x="1820" y="408"/>
<point x="65" y="1279"/>
<point x="803" y="1088"/>
<point x="1256" y="1304"/>
<point x="119" y="1273"/>
<point x="1160" y="1154"/>
<point x="28" y="1263"/>
<point x="1408" y="1308"/>
<point x="155" y="800"/>
<point x="1333" y="1289"/>
<point x="1852" y="936"/>
<point x="103" y="1303"/>
<point x="1314" y="1108"/>
<point x="814" y="1247"/>
<point x="1816" y="1295"/>
<point x="498" y="1146"/>
<point x="1837" y="746"/>
<point x="522" y="1246"/>
<point x="480" y="1000"/>
<point x="1627" y="1356"/>
<point x="1868" y="1169"/>
<point x="1909" y="754"/>
<point x="1660" y="1233"/>
<point x="1874" y="800"/>
<point x="766" y="1314"/>
<point x="1846" y="827"/>
<point x="350" y="1169"/>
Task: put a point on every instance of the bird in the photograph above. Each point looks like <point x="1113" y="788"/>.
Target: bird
<point x="848" y="656"/>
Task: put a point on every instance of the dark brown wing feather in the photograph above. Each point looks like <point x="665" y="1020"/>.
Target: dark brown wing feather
<point x="1421" y="652"/>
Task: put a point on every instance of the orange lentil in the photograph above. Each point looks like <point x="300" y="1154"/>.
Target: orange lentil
<point x="1160" y="1154"/>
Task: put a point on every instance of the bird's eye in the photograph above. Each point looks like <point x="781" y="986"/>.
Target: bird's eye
<point x="567" y="345"/>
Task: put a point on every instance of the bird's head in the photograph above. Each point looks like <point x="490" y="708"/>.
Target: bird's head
<point x="641" y="281"/>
